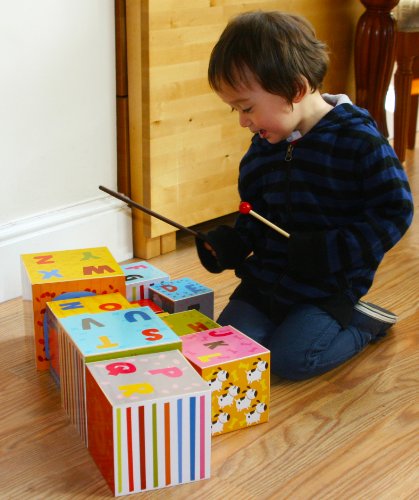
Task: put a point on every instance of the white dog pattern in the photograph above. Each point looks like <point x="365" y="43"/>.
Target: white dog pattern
<point x="245" y="401"/>
<point x="216" y="383"/>
<point x="253" y="417"/>
<point x="218" y="424"/>
<point x="227" y="398"/>
<point x="256" y="373"/>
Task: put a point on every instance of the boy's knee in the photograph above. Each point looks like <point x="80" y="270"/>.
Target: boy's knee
<point x="293" y="366"/>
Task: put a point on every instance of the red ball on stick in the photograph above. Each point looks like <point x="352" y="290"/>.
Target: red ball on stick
<point x="246" y="208"/>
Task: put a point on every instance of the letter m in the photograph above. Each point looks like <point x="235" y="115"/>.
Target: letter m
<point x="89" y="270"/>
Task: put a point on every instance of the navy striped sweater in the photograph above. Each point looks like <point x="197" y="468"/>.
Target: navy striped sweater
<point x="341" y="193"/>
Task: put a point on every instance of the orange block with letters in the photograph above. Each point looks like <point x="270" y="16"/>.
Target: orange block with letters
<point x="49" y="274"/>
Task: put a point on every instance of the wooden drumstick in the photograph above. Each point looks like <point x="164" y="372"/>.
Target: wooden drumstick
<point x="246" y="208"/>
<point x="134" y="204"/>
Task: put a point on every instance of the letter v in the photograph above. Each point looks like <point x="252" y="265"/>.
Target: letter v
<point x="86" y="322"/>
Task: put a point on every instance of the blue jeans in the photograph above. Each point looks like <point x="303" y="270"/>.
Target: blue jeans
<point x="306" y="343"/>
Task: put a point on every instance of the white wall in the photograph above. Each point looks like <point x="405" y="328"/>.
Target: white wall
<point x="57" y="132"/>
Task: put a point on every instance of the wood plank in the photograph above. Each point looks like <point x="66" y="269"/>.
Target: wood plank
<point x="123" y="149"/>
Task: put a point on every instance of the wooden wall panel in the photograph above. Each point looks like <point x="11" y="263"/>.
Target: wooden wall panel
<point x="185" y="143"/>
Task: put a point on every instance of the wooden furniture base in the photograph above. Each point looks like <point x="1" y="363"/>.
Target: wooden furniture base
<point x="374" y="57"/>
<point x="406" y="93"/>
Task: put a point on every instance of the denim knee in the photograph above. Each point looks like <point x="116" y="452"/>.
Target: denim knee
<point x="292" y="366"/>
<point x="247" y="319"/>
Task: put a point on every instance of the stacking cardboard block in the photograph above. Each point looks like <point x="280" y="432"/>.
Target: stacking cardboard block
<point x="190" y="321"/>
<point x="149" y="421"/>
<point x="237" y="369"/>
<point x="139" y="276"/>
<point x="86" y="338"/>
<point x="147" y="302"/>
<point x="69" y="307"/>
<point x="48" y="274"/>
<point x="183" y="294"/>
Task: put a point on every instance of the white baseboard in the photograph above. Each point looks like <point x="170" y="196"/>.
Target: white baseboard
<point x="94" y="223"/>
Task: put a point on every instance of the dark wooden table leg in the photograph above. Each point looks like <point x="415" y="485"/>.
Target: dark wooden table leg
<point x="407" y="48"/>
<point x="374" y="57"/>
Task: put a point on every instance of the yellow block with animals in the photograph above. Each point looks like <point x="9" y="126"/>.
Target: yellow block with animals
<point x="237" y="369"/>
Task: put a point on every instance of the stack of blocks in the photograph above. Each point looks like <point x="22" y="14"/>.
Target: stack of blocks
<point x="49" y="274"/>
<point x="86" y="338"/>
<point x="145" y="410"/>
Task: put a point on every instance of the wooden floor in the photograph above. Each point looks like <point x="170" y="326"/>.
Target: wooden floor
<point x="350" y="434"/>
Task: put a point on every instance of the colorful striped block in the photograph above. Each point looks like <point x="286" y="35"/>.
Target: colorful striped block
<point x="48" y="274"/>
<point x="149" y="422"/>
<point x="190" y="321"/>
<point x="86" y="338"/>
<point x="69" y="307"/>
<point x="237" y="369"/>
<point x="139" y="276"/>
<point x="183" y="294"/>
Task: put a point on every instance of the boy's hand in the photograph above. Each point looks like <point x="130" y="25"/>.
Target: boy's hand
<point x="221" y="249"/>
<point x="210" y="249"/>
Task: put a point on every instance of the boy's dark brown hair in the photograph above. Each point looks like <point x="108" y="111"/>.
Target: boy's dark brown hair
<point x="276" y="48"/>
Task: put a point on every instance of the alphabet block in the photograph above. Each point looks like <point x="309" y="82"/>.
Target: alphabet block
<point x="183" y="294"/>
<point x="190" y="321"/>
<point x="69" y="307"/>
<point x="86" y="338"/>
<point x="147" y="302"/>
<point x="48" y="274"/>
<point x="237" y="369"/>
<point x="149" y="422"/>
<point x="139" y="276"/>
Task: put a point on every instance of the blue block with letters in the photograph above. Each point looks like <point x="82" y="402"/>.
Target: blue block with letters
<point x="183" y="294"/>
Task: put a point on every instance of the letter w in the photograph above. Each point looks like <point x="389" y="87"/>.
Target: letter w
<point x="87" y="271"/>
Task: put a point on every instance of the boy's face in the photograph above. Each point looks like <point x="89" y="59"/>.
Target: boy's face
<point x="263" y="113"/>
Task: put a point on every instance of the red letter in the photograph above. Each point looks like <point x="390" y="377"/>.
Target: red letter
<point x="150" y="334"/>
<point x="44" y="259"/>
<point x="117" y="368"/>
<point x="110" y="306"/>
<point x="216" y="333"/>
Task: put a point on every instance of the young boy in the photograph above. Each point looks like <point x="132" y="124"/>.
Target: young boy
<point x="317" y="167"/>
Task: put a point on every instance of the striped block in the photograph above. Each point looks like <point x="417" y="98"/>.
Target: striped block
<point x="149" y="422"/>
<point x="69" y="307"/>
<point x="237" y="369"/>
<point x="183" y="294"/>
<point x="49" y="274"/>
<point x="139" y="276"/>
<point x="86" y="338"/>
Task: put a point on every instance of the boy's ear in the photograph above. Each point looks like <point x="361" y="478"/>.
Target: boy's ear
<point x="301" y="93"/>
